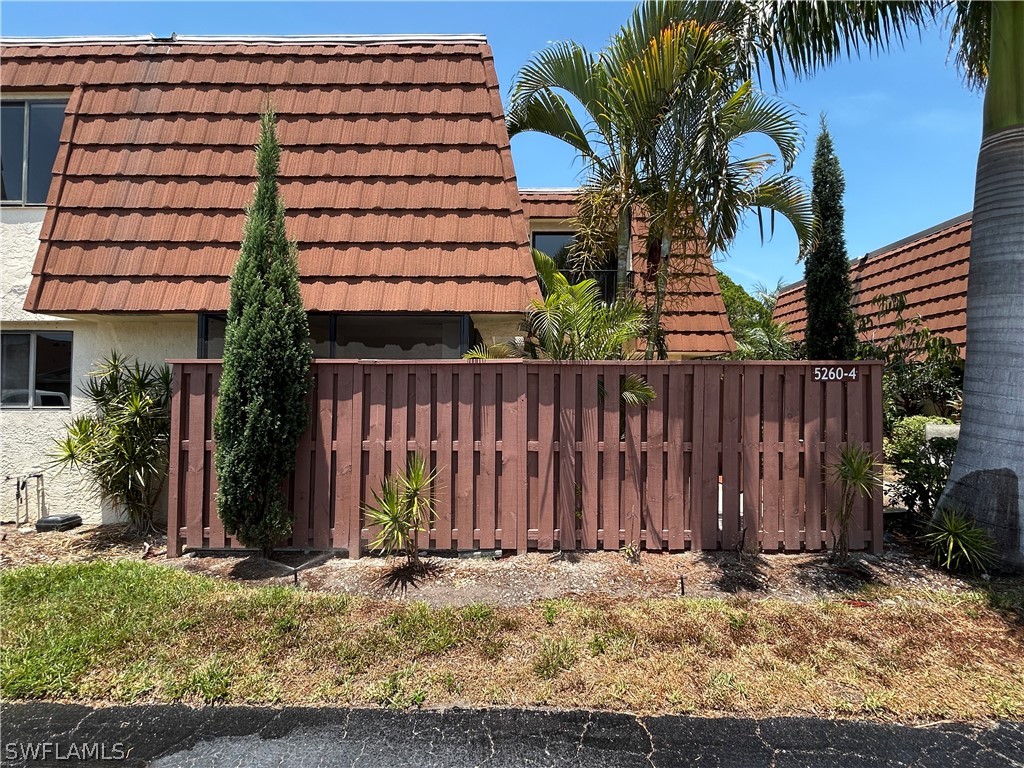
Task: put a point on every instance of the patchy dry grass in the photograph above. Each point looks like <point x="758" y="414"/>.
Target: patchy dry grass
<point x="131" y="631"/>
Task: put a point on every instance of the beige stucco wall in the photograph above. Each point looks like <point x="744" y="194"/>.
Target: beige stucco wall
<point x="26" y="436"/>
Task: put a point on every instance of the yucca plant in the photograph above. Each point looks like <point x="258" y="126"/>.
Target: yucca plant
<point x="854" y="471"/>
<point x="957" y="542"/>
<point x="122" y="446"/>
<point x="403" y="507"/>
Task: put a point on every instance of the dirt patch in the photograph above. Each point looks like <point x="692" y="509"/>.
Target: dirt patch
<point x="25" y="546"/>
<point x="520" y="579"/>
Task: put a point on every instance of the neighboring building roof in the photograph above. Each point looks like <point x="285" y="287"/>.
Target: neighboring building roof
<point x="694" y="317"/>
<point x="929" y="268"/>
<point x="396" y="171"/>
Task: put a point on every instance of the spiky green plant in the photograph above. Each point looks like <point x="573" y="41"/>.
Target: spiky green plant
<point x="855" y="472"/>
<point x="403" y="507"/>
<point x="957" y="542"/>
<point x="122" y="445"/>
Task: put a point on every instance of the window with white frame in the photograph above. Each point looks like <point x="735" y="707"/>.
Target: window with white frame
<point x="29" y="137"/>
<point x="35" y="369"/>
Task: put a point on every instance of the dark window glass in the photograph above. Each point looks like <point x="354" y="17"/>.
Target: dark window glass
<point x="320" y="335"/>
<point x="12" y="149"/>
<point x="53" y="370"/>
<point x="393" y="337"/>
<point x="212" y="344"/>
<point x="557" y="244"/>
<point x="44" y="123"/>
<point x="410" y="337"/>
<point x="36" y="369"/>
<point x="14" y="368"/>
<point x="554" y="244"/>
<point x="27" y="158"/>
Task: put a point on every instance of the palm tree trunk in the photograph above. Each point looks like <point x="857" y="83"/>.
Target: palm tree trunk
<point x="623" y="252"/>
<point x="987" y="477"/>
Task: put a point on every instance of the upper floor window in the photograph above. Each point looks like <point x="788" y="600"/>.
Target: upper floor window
<point x="557" y="245"/>
<point x="35" y="369"/>
<point x="29" y="137"/>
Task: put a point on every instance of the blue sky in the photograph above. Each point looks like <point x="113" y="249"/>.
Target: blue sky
<point x="906" y="130"/>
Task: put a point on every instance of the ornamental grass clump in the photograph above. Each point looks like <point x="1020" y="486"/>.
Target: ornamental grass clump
<point x="122" y="445"/>
<point x="957" y="542"/>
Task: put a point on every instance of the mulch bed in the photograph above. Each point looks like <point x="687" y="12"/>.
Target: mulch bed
<point x="516" y="579"/>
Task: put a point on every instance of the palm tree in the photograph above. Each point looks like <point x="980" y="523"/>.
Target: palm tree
<point x="573" y="322"/>
<point x="987" y="477"/>
<point x="665" y="112"/>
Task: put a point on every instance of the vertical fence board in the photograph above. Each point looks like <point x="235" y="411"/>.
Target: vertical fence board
<point x="771" y="523"/>
<point x="195" y="490"/>
<point x="699" y="456"/>
<point x="590" y="457"/>
<point x="421" y="432"/>
<point x="875" y="420"/>
<point x="487" y="518"/>
<point x="632" y="481"/>
<point x="611" y="491"/>
<point x="814" y="493"/>
<point x="833" y="438"/>
<point x="546" y="459"/>
<point x="731" y="412"/>
<point x="567" y="459"/>
<point x="462" y="536"/>
<point x="325" y="396"/>
<point x="512" y="453"/>
<point x="174" y="468"/>
<point x="654" y="483"/>
<point x="676" y="480"/>
<point x="856" y="433"/>
<point x="710" y="488"/>
<point x="218" y="537"/>
<point x="444" y="488"/>
<point x="751" y="456"/>
<point x="399" y="407"/>
<point x="791" y="515"/>
<point x="345" y="453"/>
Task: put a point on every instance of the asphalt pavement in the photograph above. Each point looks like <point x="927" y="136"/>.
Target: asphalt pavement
<point x="38" y="734"/>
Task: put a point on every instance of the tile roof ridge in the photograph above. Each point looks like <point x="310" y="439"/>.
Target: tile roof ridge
<point x="930" y="232"/>
<point x="174" y="38"/>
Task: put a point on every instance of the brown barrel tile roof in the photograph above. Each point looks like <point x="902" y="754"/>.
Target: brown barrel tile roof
<point x="694" y="317"/>
<point x="929" y="268"/>
<point x="396" y="173"/>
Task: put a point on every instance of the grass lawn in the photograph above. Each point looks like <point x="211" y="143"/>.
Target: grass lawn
<point x="130" y="631"/>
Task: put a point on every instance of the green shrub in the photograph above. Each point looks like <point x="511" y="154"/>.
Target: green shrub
<point x="921" y="466"/>
<point x="854" y="471"/>
<point x="262" y="409"/>
<point x="122" y="446"/>
<point x="403" y="507"/>
<point x="957" y="542"/>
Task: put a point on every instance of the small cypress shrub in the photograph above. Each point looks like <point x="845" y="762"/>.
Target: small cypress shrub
<point x="261" y="411"/>
<point x="831" y="331"/>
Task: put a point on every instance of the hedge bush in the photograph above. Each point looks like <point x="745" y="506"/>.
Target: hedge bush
<point x="922" y="466"/>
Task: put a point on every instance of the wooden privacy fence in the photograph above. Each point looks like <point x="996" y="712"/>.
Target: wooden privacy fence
<point x="545" y="455"/>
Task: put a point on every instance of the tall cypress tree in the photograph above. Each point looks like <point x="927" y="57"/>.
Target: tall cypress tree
<point x="831" y="333"/>
<point x="261" y="411"/>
